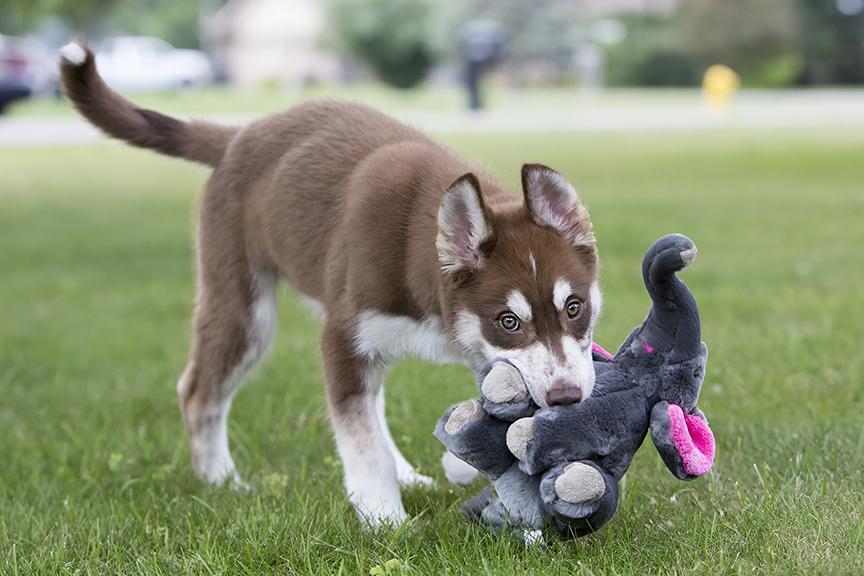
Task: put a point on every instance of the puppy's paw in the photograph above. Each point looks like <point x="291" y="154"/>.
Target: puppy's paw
<point x="457" y="470"/>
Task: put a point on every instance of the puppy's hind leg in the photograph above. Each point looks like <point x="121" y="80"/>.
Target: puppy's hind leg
<point x="233" y="326"/>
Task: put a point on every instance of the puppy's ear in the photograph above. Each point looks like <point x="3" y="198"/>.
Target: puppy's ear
<point x="553" y="202"/>
<point x="463" y="227"/>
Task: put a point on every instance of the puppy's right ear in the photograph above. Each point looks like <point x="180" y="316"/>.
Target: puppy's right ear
<point x="463" y="227"/>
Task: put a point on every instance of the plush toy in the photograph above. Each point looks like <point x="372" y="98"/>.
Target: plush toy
<point x="563" y="463"/>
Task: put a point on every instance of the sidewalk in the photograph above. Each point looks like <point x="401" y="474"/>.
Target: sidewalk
<point x="757" y="110"/>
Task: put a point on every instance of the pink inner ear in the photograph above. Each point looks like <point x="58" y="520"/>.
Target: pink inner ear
<point x="693" y="439"/>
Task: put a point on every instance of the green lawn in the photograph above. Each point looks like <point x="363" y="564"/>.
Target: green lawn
<point x="96" y="289"/>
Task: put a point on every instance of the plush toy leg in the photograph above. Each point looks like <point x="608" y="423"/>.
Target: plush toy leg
<point x="520" y="495"/>
<point x="685" y="441"/>
<point x="504" y="394"/>
<point x="475" y="437"/>
<point x="581" y="496"/>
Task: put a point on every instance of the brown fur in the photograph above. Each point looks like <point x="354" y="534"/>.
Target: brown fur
<point x="341" y="201"/>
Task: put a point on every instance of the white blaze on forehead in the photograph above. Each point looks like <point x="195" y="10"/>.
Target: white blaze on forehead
<point x="533" y="263"/>
<point x="518" y="304"/>
<point x="561" y="292"/>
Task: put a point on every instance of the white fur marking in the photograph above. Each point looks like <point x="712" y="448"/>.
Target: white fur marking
<point x="209" y="444"/>
<point x="596" y="297"/>
<point x="518" y="304"/>
<point x="73" y="53"/>
<point x="371" y="478"/>
<point x="538" y="365"/>
<point x="388" y="338"/>
<point x="532" y="537"/>
<point x="561" y="292"/>
<point x="533" y="263"/>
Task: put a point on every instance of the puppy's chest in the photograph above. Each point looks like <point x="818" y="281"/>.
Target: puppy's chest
<point x="385" y="337"/>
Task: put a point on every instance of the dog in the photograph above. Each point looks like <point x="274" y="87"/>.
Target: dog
<point x="406" y="249"/>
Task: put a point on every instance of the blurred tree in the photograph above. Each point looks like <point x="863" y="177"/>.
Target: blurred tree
<point x="652" y="54"/>
<point x="394" y="38"/>
<point x="832" y="41"/>
<point x="172" y="20"/>
<point x="175" y="21"/>
<point x="18" y="16"/>
<point x="757" y="39"/>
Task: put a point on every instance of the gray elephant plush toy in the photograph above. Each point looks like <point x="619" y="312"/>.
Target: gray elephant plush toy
<point x="562" y="464"/>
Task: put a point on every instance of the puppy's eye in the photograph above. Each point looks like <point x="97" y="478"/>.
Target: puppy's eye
<point x="574" y="308"/>
<point x="509" y="322"/>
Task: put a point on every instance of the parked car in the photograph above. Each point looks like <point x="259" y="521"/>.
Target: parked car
<point x="14" y="72"/>
<point x="27" y="67"/>
<point x="145" y="64"/>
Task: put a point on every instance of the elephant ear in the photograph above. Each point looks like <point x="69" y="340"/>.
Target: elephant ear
<point x="685" y="441"/>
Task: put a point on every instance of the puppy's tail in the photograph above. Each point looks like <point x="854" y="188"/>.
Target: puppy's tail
<point x="118" y="117"/>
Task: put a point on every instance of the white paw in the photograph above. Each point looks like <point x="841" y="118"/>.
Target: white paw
<point x="532" y="537"/>
<point x="376" y="516"/>
<point x="458" y="471"/>
<point x="411" y="479"/>
<point x="580" y="483"/>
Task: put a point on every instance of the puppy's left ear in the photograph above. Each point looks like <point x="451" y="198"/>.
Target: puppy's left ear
<point x="554" y="203"/>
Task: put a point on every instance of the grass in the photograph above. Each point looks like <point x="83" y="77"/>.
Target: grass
<point x="96" y="290"/>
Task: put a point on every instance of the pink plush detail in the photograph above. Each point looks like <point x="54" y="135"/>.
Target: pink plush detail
<point x="597" y="349"/>
<point x="693" y="439"/>
<point x="648" y="348"/>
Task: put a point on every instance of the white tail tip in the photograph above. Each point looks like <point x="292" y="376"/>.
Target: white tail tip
<point x="74" y="53"/>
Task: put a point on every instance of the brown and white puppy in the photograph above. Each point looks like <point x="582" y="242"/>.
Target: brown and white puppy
<point x="406" y="249"/>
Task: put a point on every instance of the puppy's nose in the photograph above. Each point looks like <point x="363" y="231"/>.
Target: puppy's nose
<point x="562" y="395"/>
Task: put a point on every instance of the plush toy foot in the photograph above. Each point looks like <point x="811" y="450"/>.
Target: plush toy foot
<point x="573" y="490"/>
<point x="475" y="438"/>
<point x="464" y="413"/>
<point x="580" y="496"/>
<point x="519" y="434"/>
<point x="685" y="441"/>
<point x="504" y="394"/>
<point x="579" y="483"/>
<point x="503" y="384"/>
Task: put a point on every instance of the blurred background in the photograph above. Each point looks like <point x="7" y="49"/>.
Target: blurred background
<point x="739" y="123"/>
<point x="256" y="55"/>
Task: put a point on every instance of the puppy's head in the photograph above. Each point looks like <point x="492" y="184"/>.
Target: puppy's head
<point x="521" y="283"/>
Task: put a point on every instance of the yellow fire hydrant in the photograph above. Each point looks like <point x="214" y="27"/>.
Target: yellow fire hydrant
<point x="718" y="85"/>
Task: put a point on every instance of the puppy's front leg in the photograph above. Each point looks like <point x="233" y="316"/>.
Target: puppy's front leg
<point x="370" y="470"/>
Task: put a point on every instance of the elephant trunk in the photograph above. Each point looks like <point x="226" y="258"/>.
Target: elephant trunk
<point x="673" y="323"/>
